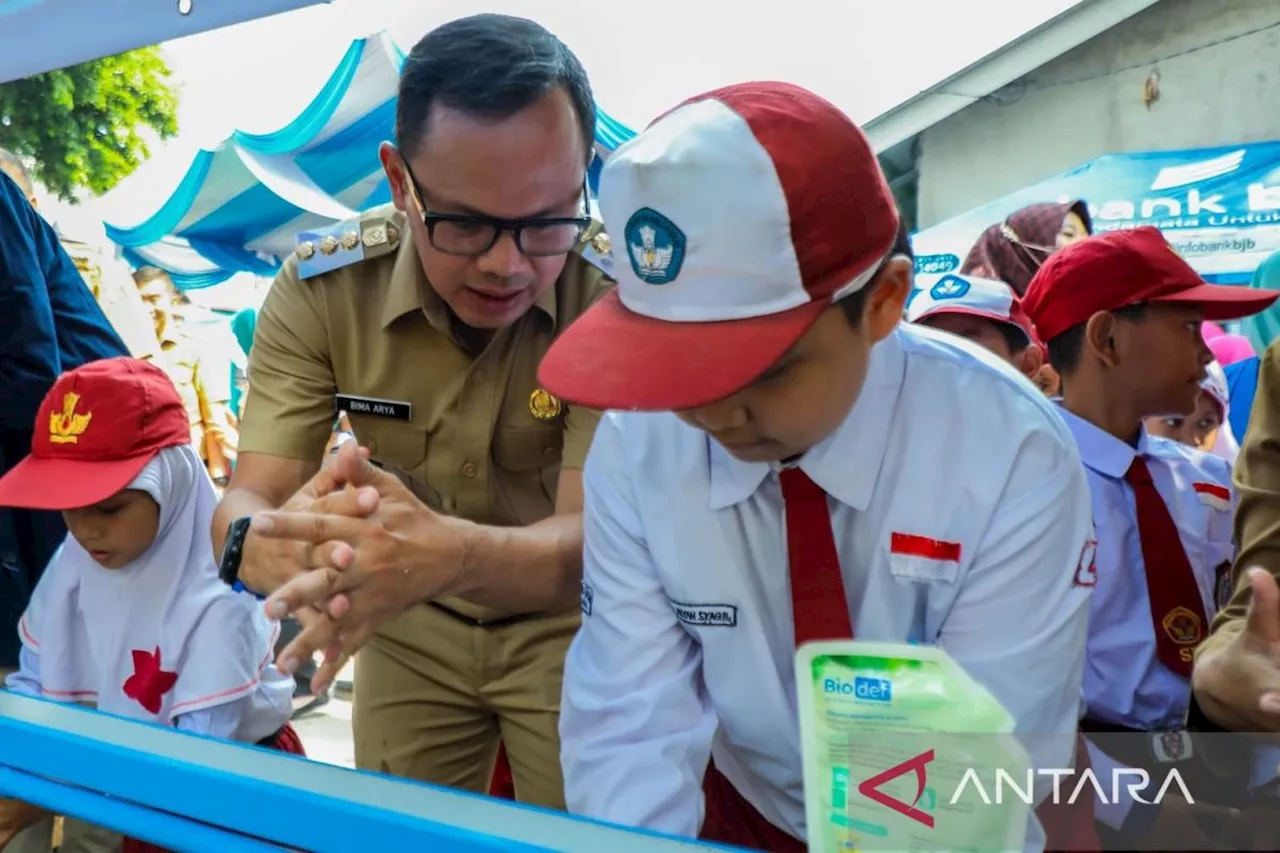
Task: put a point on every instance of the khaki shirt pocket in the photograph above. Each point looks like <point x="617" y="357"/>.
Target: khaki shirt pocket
<point x="528" y="462"/>
<point x="392" y="443"/>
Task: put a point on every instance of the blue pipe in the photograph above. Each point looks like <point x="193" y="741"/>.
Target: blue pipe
<point x="167" y="830"/>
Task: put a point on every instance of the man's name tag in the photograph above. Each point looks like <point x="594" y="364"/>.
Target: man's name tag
<point x="706" y="615"/>
<point x="396" y="410"/>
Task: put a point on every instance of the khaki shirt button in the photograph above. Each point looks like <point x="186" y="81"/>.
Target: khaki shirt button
<point x="549" y="452"/>
<point x="469" y="470"/>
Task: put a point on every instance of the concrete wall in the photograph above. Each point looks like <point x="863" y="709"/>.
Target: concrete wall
<point x="1219" y="66"/>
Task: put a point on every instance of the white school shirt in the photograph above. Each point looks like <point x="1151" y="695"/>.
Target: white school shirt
<point x="1124" y="681"/>
<point x="687" y="643"/>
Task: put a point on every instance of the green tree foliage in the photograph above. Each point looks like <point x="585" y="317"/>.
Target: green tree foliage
<point x="84" y="127"/>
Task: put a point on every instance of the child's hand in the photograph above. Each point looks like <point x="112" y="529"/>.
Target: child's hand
<point x="16" y="816"/>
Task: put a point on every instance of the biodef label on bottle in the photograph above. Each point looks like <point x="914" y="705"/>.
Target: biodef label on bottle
<point x="880" y="771"/>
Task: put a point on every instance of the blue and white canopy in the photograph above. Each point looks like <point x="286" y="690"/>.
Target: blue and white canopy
<point x="241" y="202"/>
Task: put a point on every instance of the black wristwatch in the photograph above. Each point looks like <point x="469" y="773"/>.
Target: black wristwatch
<point x="232" y="554"/>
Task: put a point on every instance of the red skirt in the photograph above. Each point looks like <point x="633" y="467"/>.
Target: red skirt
<point x="285" y="740"/>
<point x="502" y="784"/>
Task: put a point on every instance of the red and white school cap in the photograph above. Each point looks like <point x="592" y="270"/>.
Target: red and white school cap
<point x="742" y="215"/>
<point x="976" y="297"/>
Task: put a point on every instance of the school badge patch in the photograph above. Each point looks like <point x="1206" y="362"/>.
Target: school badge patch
<point x="655" y="246"/>
<point x="1171" y="747"/>
<point x="1183" y="626"/>
<point x="949" y="287"/>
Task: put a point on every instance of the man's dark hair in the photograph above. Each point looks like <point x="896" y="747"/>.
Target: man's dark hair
<point x="1064" y="350"/>
<point x="855" y="303"/>
<point x="491" y="66"/>
<point x="17" y="170"/>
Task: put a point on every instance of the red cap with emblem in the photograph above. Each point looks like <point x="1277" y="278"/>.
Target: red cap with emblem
<point x="96" y="430"/>
<point x="1116" y="269"/>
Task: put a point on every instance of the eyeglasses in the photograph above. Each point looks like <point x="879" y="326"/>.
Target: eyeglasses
<point x="472" y="236"/>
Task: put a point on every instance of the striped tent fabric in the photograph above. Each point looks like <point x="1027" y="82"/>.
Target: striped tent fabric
<point x="240" y="203"/>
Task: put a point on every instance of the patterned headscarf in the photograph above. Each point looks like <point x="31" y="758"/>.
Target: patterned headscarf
<point x="1012" y="251"/>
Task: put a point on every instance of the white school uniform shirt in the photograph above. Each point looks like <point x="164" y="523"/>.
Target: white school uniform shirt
<point x="687" y="643"/>
<point x="1124" y="681"/>
<point x="96" y="636"/>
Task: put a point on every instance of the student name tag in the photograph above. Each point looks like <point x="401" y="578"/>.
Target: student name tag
<point x="396" y="410"/>
<point x="706" y="615"/>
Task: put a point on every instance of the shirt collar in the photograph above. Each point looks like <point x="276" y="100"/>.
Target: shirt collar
<point x="1100" y="450"/>
<point x="410" y="290"/>
<point x="847" y="463"/>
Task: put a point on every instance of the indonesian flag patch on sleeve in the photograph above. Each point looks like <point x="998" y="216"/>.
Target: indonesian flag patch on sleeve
<point x="1214" y="496"/>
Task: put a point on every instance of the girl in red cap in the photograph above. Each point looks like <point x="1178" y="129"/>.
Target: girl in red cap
<point x="130" y="615"/>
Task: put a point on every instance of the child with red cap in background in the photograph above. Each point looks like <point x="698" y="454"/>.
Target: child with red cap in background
<point x="1120" y="314"/>
<point x="986" y="312"/>
<point x="130" y="615"/>
<point x="800" y="466"/>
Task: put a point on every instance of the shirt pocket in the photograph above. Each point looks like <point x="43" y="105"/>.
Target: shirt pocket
<point x="1211" y="562"/>
<point x="391" y="443"/>
<point x="528" y="459"/>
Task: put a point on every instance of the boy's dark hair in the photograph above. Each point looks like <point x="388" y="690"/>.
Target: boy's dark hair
<point x="1014" y="338"/>
<point x="17" y="170"/>
<point x="1064" y="350"/>
<point x="490" y="66"/>
<point x="855" y="303"/>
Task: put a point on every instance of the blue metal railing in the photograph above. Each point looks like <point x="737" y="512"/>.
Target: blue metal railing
<point x="197" y="794"/>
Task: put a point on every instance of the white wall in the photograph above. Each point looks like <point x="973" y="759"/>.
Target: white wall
<point x="1089" y="102"/>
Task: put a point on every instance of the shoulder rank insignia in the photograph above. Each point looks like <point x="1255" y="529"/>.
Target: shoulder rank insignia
<point x="344" y="243"/>
<point x="596" y="249"/>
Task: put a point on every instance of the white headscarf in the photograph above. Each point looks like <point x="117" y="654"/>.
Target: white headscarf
<point x="1215" y="385"/>
<point x="163" y="631"/>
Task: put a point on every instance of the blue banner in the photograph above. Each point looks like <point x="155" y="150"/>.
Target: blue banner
<point x="1219" y="207"/>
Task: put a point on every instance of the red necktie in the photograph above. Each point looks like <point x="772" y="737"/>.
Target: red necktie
<point x="1177" y="610"/>
<point x="821" y="612"/>
<point x="818" y="604"/>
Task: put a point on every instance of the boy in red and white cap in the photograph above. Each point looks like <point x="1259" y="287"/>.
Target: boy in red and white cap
<point x="130" y="615"/>
<point x="984" y="311"/>
<point x="1120" y="314"/>
<point x="800" y="467"/>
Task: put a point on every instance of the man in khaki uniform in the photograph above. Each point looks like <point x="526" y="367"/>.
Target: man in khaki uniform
<point x="1237" y="669"/>
<point x="113" y="286"/>
<point x="205" y="384"/>
<point x="425" y="321"/>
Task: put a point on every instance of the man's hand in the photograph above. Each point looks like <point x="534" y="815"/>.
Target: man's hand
<point x="1238" y="686"/>
<point x="270" y="563"/>
<point x="16" y="816"/>
<point x="365" y="570"/>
